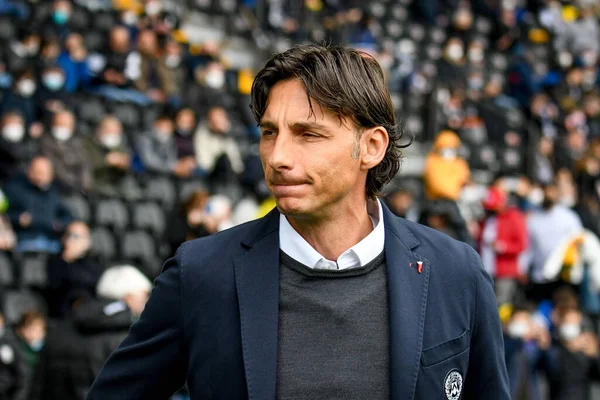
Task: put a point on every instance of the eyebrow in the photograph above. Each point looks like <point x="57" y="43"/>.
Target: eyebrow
<point x="296" y="126"/>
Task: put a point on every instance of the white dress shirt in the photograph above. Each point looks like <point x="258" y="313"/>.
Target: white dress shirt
<point x="363" y="252"/>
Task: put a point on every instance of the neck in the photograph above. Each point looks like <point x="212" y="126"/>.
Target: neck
<point x="336" y="234"/>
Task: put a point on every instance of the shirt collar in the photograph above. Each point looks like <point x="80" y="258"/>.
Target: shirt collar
<point x="365" y="251"/>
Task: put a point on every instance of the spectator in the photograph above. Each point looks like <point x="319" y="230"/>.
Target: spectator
<point x="111" y="161"/>
<point x="452" y="65"/>
<point x="7" y="235"/>
<point x="31" y="332"/>
<point x="118" y="69"/>
<point x="52" y="97"/>
<point x="581" y="34"/>
<point x="67" y="153"/>
<point x="22" y="52"/>
<point x="174" y="71"/>
<point x="547" y="228"/>
<point x="445" y="172"/>
<point x="76" y="348"/>
<point x="152" y="80"/>
<point x="16" y="147"/>
<point x="209" y="90"/>
<point x="526" y="339"/>
<point x="57" y="24"/>
<point x="158" y="152"/>
<point x="72" y="274"/>
<point x="543" y="170"/>
<point x="35" y="208"/>
<point x="573" y="357"/>
<point x="402" y="203"/>
<point x="13" y="369"/>
<point x="21" y="98"/>
<point x="73" y="61"/>
<point x="503" y="239"/>
<point x="185" y="126"/>
<point x="187" y="221"/>
<point x="213" y="141"/>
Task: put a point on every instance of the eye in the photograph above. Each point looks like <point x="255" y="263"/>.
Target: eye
<point x="310" y="135"/>
<point x="267" y="132"/>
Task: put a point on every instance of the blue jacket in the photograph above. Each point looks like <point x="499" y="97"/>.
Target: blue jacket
<point x="49" y="215"/>
<point x="213" y="314"/>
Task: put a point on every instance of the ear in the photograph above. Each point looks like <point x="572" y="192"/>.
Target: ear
<point x="374" y="143"/>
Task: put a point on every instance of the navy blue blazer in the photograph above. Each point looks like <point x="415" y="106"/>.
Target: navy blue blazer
<point x="213" y="314"/>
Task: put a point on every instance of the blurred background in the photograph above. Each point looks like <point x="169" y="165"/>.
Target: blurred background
<point x="125" y="130"/>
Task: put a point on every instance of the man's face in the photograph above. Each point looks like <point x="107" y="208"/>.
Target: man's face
<point x="77" y="238"/>
<point x="40" y="173"/>
<point x="218" y="121"/>
<point x="310" y="161"/>
<point x="119" y="40"/>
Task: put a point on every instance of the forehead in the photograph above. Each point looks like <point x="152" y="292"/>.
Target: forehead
<point x="288" y="103"/>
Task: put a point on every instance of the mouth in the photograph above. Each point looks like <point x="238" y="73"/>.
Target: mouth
<point x="286" y="188"/>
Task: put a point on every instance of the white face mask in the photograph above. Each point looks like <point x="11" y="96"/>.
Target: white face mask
<point x="568" y="201"/>
<point x="26" y="87"/>
<point x="476" y="55"/>
<point x="153" y="8"/>
<point x="110" y="140"/>
<point x="130" y="18"/>
<point x="536" y="196"/>
<point x="13" y="132"/>
<point x="62" y="133"/>
<point x="172" y="61"/>
<point x="448" y="153"/>
<point x="570" y="331"/>
<point x="518" y="330"/>
<point x="215" y="79"/>
<point x="455" y="51"/>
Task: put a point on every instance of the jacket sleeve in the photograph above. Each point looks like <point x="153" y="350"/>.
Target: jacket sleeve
<point x="487" y="377"/>
<point x="151" y="363"/>
<point x="517" y="241"/>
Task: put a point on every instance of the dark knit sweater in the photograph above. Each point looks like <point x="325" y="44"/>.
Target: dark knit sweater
<point x="333" y="332"/>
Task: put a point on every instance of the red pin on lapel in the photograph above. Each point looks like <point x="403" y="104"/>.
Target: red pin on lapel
<point x="420" y="266"/>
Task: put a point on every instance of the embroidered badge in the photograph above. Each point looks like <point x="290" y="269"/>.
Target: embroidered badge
<point x="7" y="354"/>
<point x="453" y="385"/>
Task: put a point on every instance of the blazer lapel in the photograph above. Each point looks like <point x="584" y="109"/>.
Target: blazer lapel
<point x="257" y="284"/>
<point x="407" y="294"/>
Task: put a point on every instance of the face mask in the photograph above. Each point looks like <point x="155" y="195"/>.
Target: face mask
<point x="172" y="61"/>
<point x="53" y="81"/>
<point x="570" y="331"/>
<point x="518" y="330"/>
<point x="13" y="132"/>
<point x="62" y="133"/>
<point x="448" y="153"/>
<point x="26" y="87"/>
<point x="60" y="17"/>
<point x="215" y="79"/>
<point x="536" y="197"/>
<point x="455" y="52"/>
<point x="37" y="345"/>
<point x="565" y="60"/>
<point x="476" y="56"/>
<point x="568" y="201"/>
<point x="475" y="83"/>
<point x="153" y="8"/>
<point x="129" y="18"/>
<point x="110" y="140"/>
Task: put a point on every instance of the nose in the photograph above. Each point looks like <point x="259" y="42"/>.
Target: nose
<point x="281" y="157"/>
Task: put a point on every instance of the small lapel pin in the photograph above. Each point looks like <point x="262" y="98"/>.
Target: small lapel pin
<point x="420" y="266"/>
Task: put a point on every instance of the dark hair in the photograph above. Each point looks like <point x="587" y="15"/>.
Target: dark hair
<point x="29" y="317"/>
<point x="347" y="82"/>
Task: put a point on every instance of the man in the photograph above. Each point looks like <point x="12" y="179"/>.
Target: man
<point x="16" y="147"/>
<point x="263" y="310"/>
<point x="110" y="157"/>
<point x="36" y="210"/>
<point x="548" y="228"/>
<point x="72" y="275"/>
<point x="67" y="153"/>
<point x="158" y="151"/>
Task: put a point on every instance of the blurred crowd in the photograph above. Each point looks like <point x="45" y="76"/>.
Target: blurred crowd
<point x="123" y="135"/>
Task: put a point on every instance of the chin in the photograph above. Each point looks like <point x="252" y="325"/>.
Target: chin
<point x="291" y="206"/>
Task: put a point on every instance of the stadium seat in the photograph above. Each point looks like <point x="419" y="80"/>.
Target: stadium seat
<point x="80" y="19"/>
<point x="7" y="29"/>
<point x="79" y="207"/>
<point x="128" y="115"/>
<point x="33" y="270"/>
<point x="149" y="216"/>
<point x="7" y="277"/>
<point x="94" y="41"/>
<point x="161" y="190"/>
<point x="16" y="303"/>
<point x="139" y="248"/>
<point x="104" y="245"/>
<point x="104" y="21"/>
<point x="112" y="213"/>
<point x="91" y="110"/>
